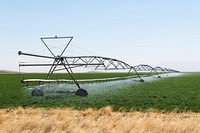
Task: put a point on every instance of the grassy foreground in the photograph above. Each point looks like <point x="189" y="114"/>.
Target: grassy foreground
<point x="40" y="120"/>
<point x="180" y="93"/>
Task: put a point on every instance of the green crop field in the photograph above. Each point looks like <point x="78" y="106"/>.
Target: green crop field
<point x="180" y="93"/>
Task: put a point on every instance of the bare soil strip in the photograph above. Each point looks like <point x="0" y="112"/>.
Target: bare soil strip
<point x="40" y="120"/>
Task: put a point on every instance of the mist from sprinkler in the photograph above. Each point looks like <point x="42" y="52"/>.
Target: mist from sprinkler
<point x="92" y="88"/>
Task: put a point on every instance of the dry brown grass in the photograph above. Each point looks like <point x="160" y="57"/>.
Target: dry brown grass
<point x="41" y="120"/>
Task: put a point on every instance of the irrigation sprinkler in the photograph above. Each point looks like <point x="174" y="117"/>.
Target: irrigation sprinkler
<point x="68" y="63"/>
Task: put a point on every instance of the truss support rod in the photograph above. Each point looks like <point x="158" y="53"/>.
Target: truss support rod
<point x="155" y="71"/>
<point x="70" y="74"/>
<point x="137" y="73"/>
<point x="93" y="64"/>
<point x="66" y="46"/>
<point x="129" y="71"/>
<point x="69" y="67"/>
<point x="34" y="55"/>
<point x="52" y="69"/>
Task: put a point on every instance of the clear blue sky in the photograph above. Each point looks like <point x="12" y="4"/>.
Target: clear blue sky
<point x="155" y="32"/>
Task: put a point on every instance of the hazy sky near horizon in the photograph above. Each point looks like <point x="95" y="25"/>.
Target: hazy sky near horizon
<point x="154" y="32"/>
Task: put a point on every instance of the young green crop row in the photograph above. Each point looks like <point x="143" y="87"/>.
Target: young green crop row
<point x="181" y="93"/>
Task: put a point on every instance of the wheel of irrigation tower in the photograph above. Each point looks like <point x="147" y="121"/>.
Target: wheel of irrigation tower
<point x="37" y="92"/>
<point x="81" y="92"/>
<point x="141" y="80"/>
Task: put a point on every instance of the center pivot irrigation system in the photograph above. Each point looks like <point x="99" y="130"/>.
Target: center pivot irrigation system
<point x="68" y="63"/>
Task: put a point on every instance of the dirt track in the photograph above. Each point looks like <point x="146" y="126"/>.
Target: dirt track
<point x="22" y="120"/>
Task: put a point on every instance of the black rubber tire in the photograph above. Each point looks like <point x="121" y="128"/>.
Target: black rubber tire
<point x="81" y="92"/>
<point x="141" y="80"/>
<point x="37" y="92"/>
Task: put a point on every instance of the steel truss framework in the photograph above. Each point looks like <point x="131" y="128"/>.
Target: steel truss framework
<point x="96" y="62"/>
<point x="160" y="69"/>
<point x="145" y="68"/>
